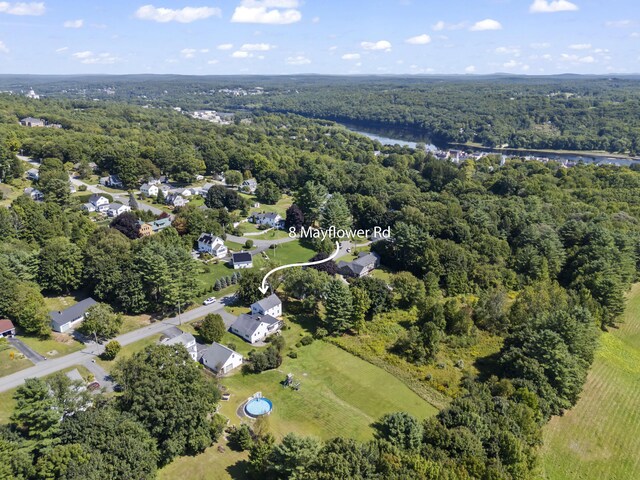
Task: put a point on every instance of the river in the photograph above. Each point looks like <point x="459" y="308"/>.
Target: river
<point x="409" y="139"/>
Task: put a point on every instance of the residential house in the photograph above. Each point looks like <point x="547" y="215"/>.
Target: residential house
<point x="255" y="328"/>
<point x="100" y="203"/>
<point x="199" y="177"/>
<point x="116" y="209"/>
<point x="149" y="190"/>
<point x="72" y="188"/>
<point x="112" y="181"/>
<point x="221" y="359"/>
<point x="165" y="188"/>
<point x="88" y="207"/>
<point x="184" y="338"/>
<point x="33" y="174"/>
<point x="7" y="329"/>
<point x="144" y="229"/>
<point x="160" y="224"/>
<point x="361" y="266"/>
<point x="32" y="122"/>
<point x="176" y="200"/>
<point x="249" y="185"/>
<point x="65" y="320"/>
<point x="35" y="194"/>
<point x="271" y="306"/>
<point x="269" y="219"/>
<point x="242" y="260"/>
<point x="208" y="243"/>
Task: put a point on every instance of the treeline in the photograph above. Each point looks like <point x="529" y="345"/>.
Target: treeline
<point x="59" y="430"/>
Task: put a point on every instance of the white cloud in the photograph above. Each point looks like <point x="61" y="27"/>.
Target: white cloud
<point x="90" y="58"/>
<point x="619" y="23"/>
<point x="419" y="39"/>
<point x="315" y="20"/>
<point x="440" y="26"/>
<point x="510" y="64"/>
<point x="204" y="50"/>
<point x="576" y="58"/>
<point x="508" y="50"/>
<point x="225" y="46"/>
<point x="351" y="56"/>
<point x="635" y="35"/>
<point x="212" y="62"/>
<point x="73" y="23"/>
<point x="540" y="45"/>
<point x="62" y="49"/>
<point x="240" y="54"/>
<point x="552" y="6"/>
<point x="182" y="15"/>
<point x="3" y="47"/>
<point x="188" y="52"/>
<point x="486" y="24"/>
<point x="379" y="45"/>
<point x="274" y="12"/>
<point x="470" y="69"/>
<point x="256" y="47"/>
<point x="298" y="60"/>
<point x="23" y="8"/>
<point x="580" y="46"/>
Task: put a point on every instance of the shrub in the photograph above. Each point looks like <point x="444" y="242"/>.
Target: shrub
<point x="306" y="340"/>
<point x="111" y="350"/>
<point x="248" y="244"/>
<point x="292" y="354"/>
<point x="321" y="333"/>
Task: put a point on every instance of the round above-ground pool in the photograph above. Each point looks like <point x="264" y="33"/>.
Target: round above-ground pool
<point x="257" y="407"/>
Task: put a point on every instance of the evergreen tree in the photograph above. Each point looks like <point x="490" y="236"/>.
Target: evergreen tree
<point x="339" y="308"/>
<point x="217" y="286"/>
<point x="336" y="213"/>
<point x="133" y="203"/>
<point x="310" y="199"/>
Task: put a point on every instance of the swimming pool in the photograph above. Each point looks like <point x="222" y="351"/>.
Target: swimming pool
<point x="257" y="407"/>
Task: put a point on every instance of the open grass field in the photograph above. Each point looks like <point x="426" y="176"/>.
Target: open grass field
<point x="57" y="345"/>
<point x="290" y="252"/>
<point x="340" y="394"/>
<point x="9" y="365"/>
<point x="600" y="437"/>
<point x="209" y="465"/>
<point x="129" y="350"/>
<point x="280" y="208"/>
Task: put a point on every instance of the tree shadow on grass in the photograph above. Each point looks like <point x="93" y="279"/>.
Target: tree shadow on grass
<point x="238" y="471"/>
<point x="306" y="320"/>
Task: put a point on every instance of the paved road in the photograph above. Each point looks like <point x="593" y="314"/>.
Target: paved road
<point x="50" y="366"/>
<point x="27" y="351"/>
<point x="100" y="374"/>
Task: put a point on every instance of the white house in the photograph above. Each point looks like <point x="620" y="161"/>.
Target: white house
<point x="115" y="209"/>
<point x="112" y="181"/>
<point x="271" y="305"/>
<point x="255" y="328"/>
<point x="186" y="339"/>
<point x="100" y="203"/>
<point x="35" y="194"/>
<point x="242" y="260"/>
<point x="249" y="185"/>
<point x="221" y="359"/>
<point x="176" y="200"/>
<point x="208" y="243"/>
<point x="65" y="320"/>
<point x="149" y="190"/>
<point x="33" y="174"/>
<point x="269" y="219"/>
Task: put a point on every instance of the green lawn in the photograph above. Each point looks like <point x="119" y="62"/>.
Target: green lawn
<point x="9" y="365"/>
<point x="270" y="235"/>
<point x="7" y="404"/>
<point x="280" y="208"/>
<point x="600" y="437"/>
<point x="209" y="465"/>
<point x="129" y="350"/>
<point x="290" y="252"/>
<point x="134" y="322"/>
<point x="57" y="345"/>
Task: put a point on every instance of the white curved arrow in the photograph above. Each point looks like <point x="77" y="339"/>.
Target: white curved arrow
<point x="264" y="287"/>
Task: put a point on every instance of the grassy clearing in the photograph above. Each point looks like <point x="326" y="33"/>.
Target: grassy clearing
<point x="209" y="465"/>
<point x="290" y="252"/>
<point x="11" y="364"/>
<point x="9" y="194"/>
<point x="435" y="381"/>
<point x="280" y="208"/>
<point x="600" y="437"/>
<point x="129" y="350"/>
<point x="57" y="345"/>
<point x="134" y="322"/>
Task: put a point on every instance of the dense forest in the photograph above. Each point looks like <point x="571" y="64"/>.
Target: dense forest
<point x="565" y="112"/>
<point x="538" y="254"/>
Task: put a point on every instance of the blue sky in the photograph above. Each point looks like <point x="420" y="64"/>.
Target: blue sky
<point x="314" y="36"/>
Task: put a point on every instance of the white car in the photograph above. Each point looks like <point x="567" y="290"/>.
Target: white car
<point x="209" y="300"/>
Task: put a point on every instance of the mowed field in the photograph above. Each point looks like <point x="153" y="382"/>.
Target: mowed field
<point x="600" y="437"/>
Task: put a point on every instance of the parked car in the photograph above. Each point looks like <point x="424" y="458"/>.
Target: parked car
<point x="118" y="388"/>
<point x="93" y="386"/>
<point x="209" y="300"/>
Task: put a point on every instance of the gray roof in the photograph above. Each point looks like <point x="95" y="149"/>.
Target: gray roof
<point x="265" y="216"/>
<point x="74" y="376"/>
<point x="359" y="264"/>
<point x="65" y="316"/>
<point x="115" y="206"/>
<point x="95" y="197"/>
<point x="247" y="324"/>
<point x="160" y="224"/>
<point x="269" y="302"/>
<point x="172" y="332"/>
<point x="242" y="257"/>
<point x="217" y="354"/>
<point x="184" y="338"/>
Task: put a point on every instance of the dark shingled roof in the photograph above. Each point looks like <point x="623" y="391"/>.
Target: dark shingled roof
<point x="247" y="324"/>
<point x="60" y="318"/>
<point x="242" y="257"/>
